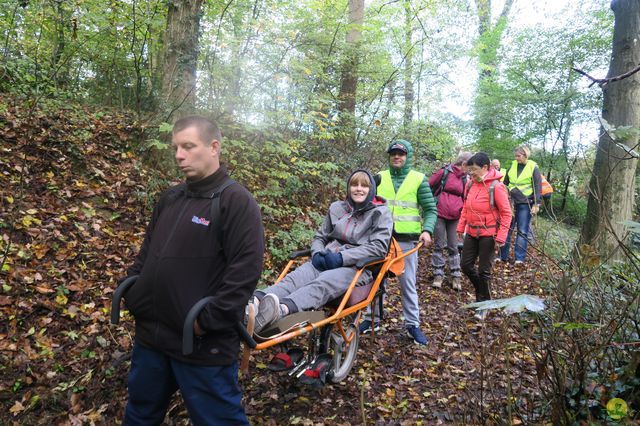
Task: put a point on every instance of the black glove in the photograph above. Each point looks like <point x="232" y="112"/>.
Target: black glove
<point x="333" y="260"/>
<point x="318" y="261"/>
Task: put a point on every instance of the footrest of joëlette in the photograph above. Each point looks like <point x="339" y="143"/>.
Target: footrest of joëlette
<point x="290" y="323"/>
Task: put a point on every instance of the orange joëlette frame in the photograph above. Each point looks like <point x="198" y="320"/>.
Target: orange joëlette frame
<point x="340" y="312"/>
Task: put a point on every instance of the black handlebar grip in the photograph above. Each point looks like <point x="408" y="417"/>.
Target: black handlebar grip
<point x="117" y="296"/>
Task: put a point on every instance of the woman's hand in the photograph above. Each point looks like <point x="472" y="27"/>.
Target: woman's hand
<point x="333" y="260"/>
<point x="318" y="261"/>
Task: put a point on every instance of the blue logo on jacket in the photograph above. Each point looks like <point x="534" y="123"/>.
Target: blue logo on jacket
<point x="200" y="220"/>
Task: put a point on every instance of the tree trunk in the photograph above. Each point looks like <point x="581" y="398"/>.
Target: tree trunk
<point x="489" y="37"/>
<point x="63" y="22"/>
<point x="408" y="67"/>
<point x="180" y="56"/>
<point x="612" y="185"/>
<point x="349" y="78"/>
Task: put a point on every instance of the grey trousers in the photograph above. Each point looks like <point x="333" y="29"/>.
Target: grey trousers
<point x="306" y="288"/>
<point x="408" y="291"/>
<point x="445" y="237"/>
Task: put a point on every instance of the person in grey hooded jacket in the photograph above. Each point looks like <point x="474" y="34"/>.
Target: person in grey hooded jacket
<point x="354" y="229"/>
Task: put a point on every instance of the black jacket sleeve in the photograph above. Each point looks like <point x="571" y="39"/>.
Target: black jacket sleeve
<point x="537" y="185"/>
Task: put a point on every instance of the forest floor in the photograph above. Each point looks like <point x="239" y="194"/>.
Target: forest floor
<point x="72" y="192"/>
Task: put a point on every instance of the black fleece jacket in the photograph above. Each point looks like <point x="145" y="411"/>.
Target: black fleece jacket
<point x="181" y="261"/>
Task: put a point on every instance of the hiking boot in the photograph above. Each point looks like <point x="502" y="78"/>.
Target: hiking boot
<point x="417" y="335"/>
<point x="456" y="283"/>
<point x="437" y="281"/>
<point x="268" y="312"/>
<point x="365" y="327"/>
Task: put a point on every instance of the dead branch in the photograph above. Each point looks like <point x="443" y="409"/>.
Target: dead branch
<point x="604" y="81"/>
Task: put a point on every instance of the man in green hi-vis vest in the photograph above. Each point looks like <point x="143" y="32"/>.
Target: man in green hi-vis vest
<point x="413" y="208"/>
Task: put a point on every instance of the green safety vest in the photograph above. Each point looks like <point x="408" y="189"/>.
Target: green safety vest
<point x="504" y="174"/>
<point x="404" y="203"/>
<point x="524" y="182"/>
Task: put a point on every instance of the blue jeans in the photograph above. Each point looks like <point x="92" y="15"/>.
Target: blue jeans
<point x="211" y="393"/>
<point x="520" y="221"/>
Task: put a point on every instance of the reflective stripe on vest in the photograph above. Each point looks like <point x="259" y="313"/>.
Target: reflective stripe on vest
<point x="524" y="182"/>
<point x="403" y="204"/>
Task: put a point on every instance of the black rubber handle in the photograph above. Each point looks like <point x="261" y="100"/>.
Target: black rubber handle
<point x="300" y="253"/>
<point x="244" y="335"/>
<point x="187" y="330"/>
<point x="188" y="333"/>
<point x="117" y="296"/>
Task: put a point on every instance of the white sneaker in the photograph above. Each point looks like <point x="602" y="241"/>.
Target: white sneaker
<point x="437" y="281"/>
<point x="518" y="262"/>
<point x="268" y="312"/>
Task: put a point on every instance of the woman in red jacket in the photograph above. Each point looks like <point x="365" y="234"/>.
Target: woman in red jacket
<point x="485" y="220"/>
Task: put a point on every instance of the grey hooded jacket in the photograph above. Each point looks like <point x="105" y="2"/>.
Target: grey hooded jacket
<point x="357" y="232"/>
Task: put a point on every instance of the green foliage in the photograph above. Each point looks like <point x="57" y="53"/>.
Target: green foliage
<point x="153" y="143"/>
<point x="291" y="190"/>
<point x="593" y="324"/>
<point x="575" y="208"/>
<point x="93" y="50"/>
<point x="584" y="344"/>
<point x="554" y="237"/>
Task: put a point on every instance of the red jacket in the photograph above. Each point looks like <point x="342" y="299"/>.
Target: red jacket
<point x="478" y="219"/>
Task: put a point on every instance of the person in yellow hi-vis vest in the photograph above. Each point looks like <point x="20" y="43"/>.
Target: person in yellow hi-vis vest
<point x="524" y="183"/>
<point x="413" y="208"/>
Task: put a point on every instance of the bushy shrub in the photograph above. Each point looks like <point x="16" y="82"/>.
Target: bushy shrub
<point x="574" y="211"/>
<point x="587" y="351"/>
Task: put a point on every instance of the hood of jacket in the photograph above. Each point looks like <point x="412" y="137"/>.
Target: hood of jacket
<point x="457" y="170"/>
<point x="402" y="171"/>
<point x="371" y="199"/>
<point x="492" y="174"/>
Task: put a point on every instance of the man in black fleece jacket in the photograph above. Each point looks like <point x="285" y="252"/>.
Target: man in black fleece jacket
<point x="180" y="262"/>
